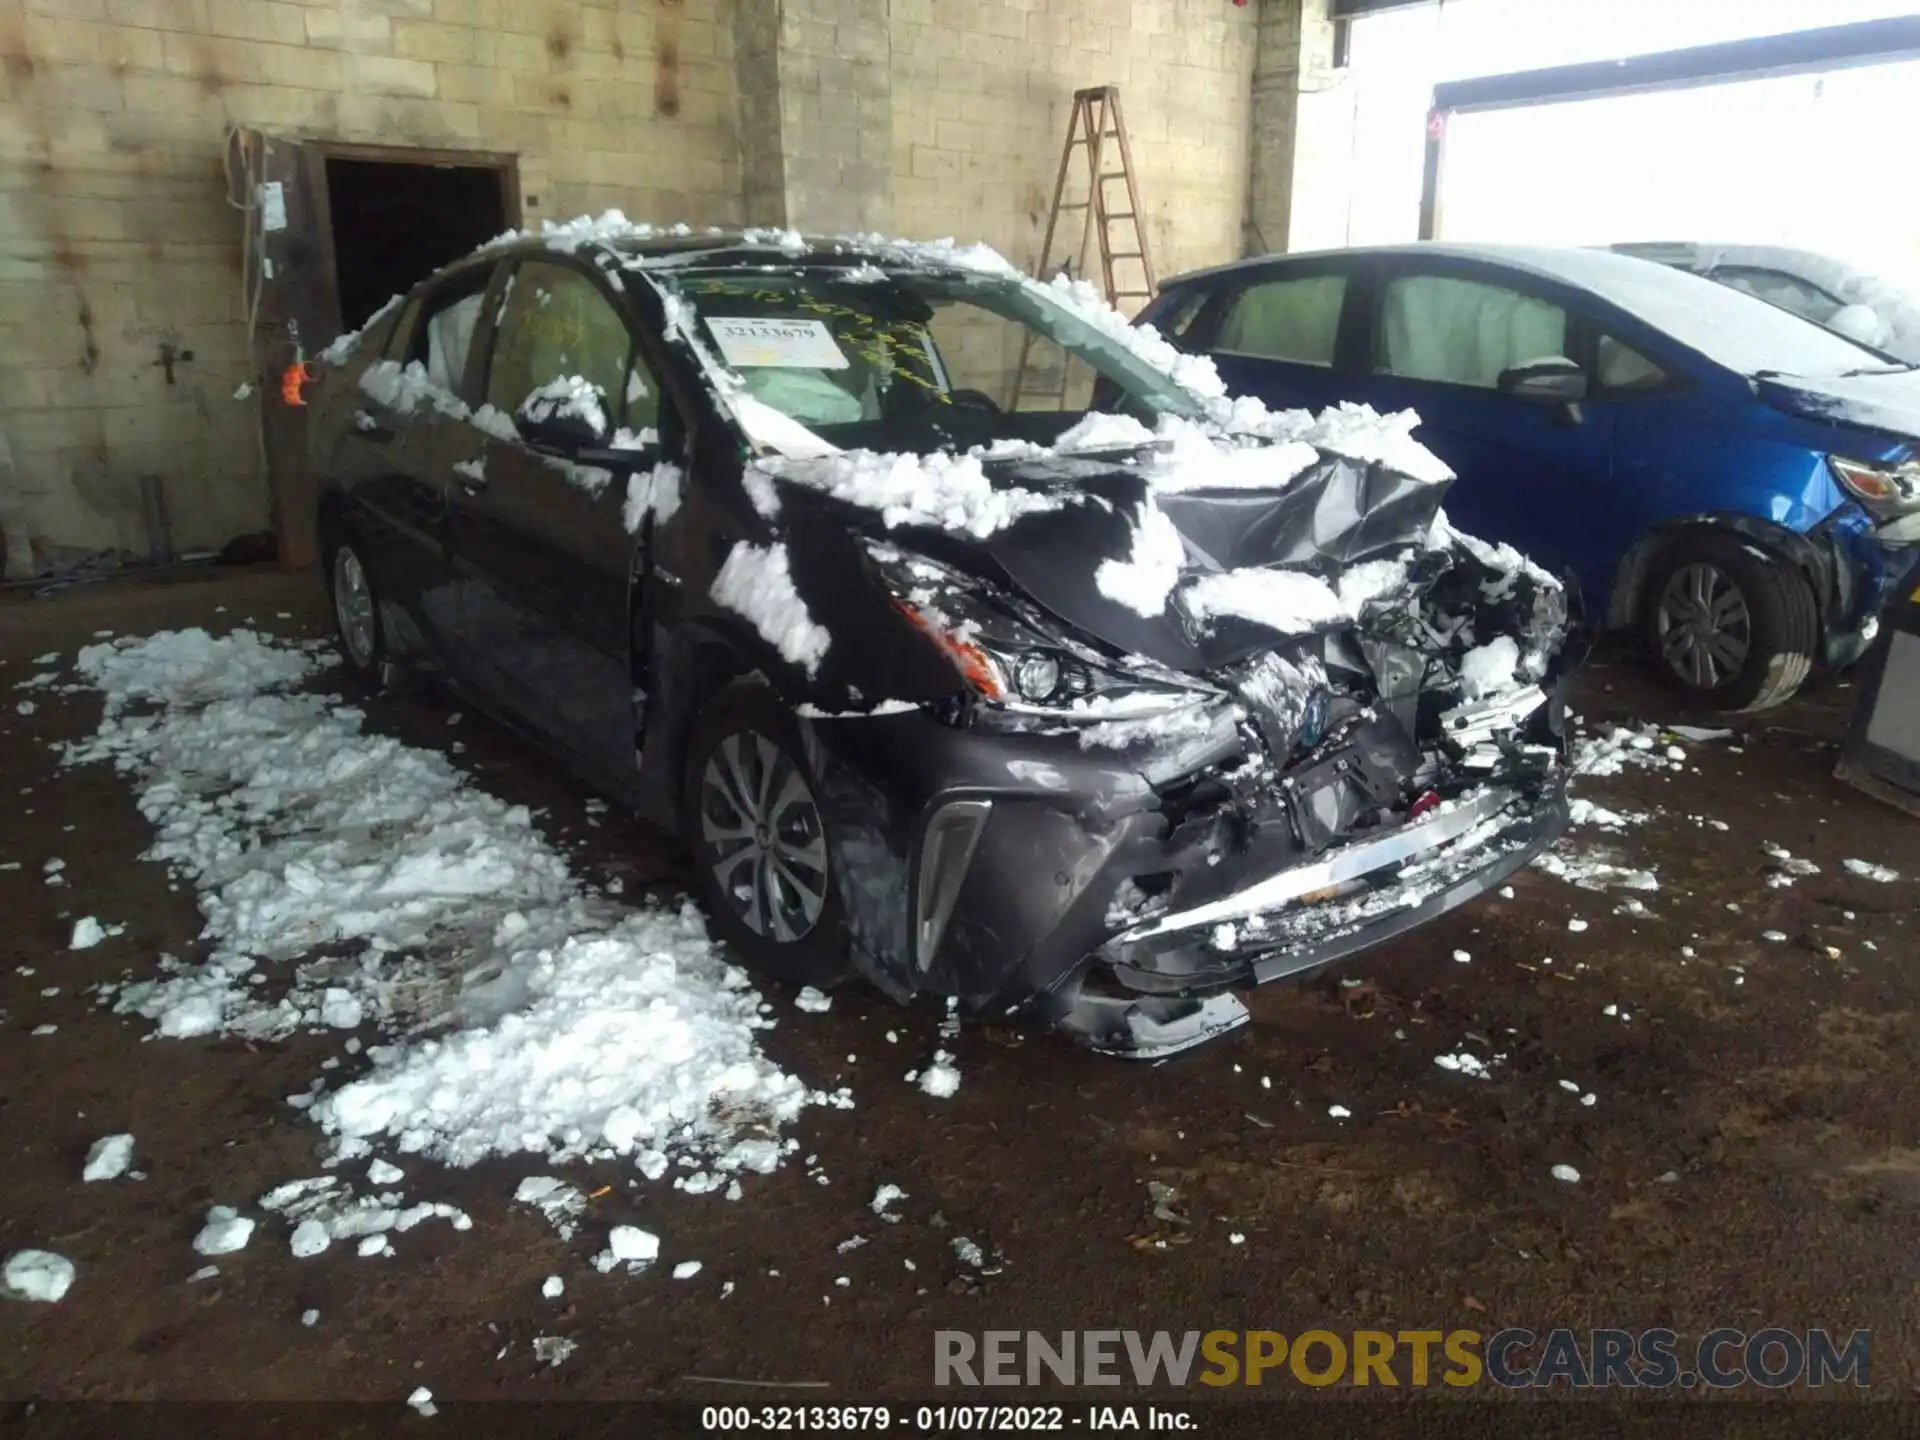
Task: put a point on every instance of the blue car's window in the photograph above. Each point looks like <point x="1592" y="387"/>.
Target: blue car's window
<point x="1622" y="368"/>
<point x="1296" y="319"/>
<point x="1433" y="327"/>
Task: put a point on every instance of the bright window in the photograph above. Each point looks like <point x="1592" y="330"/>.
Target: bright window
<point x="1296" y="320"/>
<point x="1433" y="327"/>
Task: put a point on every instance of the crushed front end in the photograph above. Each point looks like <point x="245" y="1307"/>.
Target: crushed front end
<point x="1382" y="781"/>
<point x="1121" y="863"/>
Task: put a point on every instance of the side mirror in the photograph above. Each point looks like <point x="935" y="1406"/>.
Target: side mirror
<point x="568" y="415"/>
<point x="1554" y="380"/>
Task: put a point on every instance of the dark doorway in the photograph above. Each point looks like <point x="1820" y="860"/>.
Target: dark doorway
<point x="394" y="224"/>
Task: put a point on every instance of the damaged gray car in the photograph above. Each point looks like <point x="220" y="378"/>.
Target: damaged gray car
<point x="1092" y="715"/>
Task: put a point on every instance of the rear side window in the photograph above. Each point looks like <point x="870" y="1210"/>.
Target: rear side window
<point x="1464" y="332"/>
<point x="557" y="324"/>
<point x="440" y="329"/>
<point x="1296" y="319"/>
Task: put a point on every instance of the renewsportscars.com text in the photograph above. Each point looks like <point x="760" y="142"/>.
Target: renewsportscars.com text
<point x="1513" y="1358"/>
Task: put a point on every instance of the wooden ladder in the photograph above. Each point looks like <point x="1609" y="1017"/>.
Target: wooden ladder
<point x="1098" y="127"/>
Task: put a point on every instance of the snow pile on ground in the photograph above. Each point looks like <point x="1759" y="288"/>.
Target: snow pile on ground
<point x="324" y="1209"/>
<point x="585" y="1027"/>
<point x="628" y="1245"/>
<point x="1594" y="870"/>
<point x="941" y="1078"/>
<point x="1620" y="748"/>
<point x="1867" y="870"/>
<point x="226" y="1231"/>
<point x="38" y="1275"/>
<point x="108" y="1158"/>
<point x="755" y="582"/>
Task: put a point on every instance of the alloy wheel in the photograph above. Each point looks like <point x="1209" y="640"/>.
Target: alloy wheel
<point x="758" y="815"/>
<point x="1705" y="629"/>
<point x="353" y="605"/>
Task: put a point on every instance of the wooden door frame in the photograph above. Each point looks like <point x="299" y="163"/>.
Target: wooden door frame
<point x="505" y="164"/>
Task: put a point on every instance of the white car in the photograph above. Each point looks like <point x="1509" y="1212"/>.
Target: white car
<point x="1854" y="303"/>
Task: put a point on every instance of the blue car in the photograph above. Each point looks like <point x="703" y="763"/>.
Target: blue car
<point x="1738" y="484"/>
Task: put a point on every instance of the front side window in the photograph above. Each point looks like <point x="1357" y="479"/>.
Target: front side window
<point x="556" y="326"/>
<point x="1463" y="332"/>
<point x="1295" y="319"/>
<point x="907" y="359"/>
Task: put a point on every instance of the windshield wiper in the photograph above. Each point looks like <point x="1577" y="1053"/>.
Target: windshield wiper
<point x="1878" y="370"/>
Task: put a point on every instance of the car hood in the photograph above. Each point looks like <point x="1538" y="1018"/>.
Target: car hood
<point x="1335" y="513"/>
<point x="1889" y="402"/>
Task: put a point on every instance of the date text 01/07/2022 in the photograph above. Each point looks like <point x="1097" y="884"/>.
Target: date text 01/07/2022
<point x="942" y="1419"/>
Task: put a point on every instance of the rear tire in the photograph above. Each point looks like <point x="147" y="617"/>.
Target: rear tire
<point x="1727" y="626"/>
<point x="356" y="606"/>
<point x="755" y="827"/>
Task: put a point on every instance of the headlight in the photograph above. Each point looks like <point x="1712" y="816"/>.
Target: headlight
<point x="1883" y="489"/>
<point x="1009" y="660"/>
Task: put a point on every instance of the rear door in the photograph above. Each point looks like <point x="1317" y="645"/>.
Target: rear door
<point x="1278" y="336"/>
<point x="1536" y="475"/>
<point x="406" y="420"/>
<point x="540" y="540"/>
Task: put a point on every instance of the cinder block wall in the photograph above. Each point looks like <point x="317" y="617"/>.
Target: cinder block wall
<point x="983" y="90"/>
<point x="115" y="237"/>
<point x="925" y="117"/>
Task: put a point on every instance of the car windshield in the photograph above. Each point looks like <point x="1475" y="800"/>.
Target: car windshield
<point x="910" y="360"/>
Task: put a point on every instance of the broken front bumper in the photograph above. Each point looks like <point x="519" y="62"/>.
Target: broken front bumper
<point x="1086" y="887"/>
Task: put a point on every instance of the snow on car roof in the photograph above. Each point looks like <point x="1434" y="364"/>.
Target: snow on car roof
<point x="1731" y="329"/>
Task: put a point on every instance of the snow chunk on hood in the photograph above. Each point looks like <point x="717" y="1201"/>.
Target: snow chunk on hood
<point x="1284" y="600"/>
<point x="756" y="582"/>
<point x="1143" y="581"/>
<point x="942" y="490"/>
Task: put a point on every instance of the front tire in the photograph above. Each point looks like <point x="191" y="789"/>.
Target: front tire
<point x="757" y="832"/>
<point x="356" y="608"/>
<point x="1728" y="626"/>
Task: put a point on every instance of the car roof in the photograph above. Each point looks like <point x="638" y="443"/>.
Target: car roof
<point x="641" y="245"/>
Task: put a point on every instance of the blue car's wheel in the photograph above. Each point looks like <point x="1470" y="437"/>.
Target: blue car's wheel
<point x="1728" y="626"/>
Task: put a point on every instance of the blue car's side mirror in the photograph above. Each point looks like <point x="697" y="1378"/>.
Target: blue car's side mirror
<point x="1552" y="381"/>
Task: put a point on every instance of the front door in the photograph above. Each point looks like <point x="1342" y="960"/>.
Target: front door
<point x="1531" y="474"/>
<point x="540" y="539"/>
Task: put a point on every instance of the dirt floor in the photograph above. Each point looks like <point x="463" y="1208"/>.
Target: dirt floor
<point x="1750" y="1157"/>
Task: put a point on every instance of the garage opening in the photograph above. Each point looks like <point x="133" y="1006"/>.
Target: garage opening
<point x="394" y="223"/>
